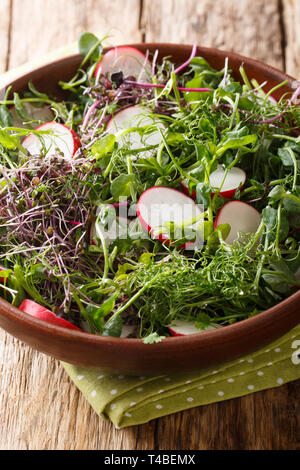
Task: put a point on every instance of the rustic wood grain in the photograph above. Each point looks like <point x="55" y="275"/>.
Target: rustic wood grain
<point x="249" y="27"/>
<point x="47" y="25"/>
<point x="40" y="408"/>
<point x="291" y="27"/>
<point x="5" y="17"/>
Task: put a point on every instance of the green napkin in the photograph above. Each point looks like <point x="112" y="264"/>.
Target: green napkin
<point x="128" y="401"/>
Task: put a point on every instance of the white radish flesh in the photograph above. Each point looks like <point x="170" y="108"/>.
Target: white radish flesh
<point x="241" y="217"/>
<point x="159" y="205"/>
<point x="62" y="140"/>
<point x="136" y="116"/>
<point x="129" y="60"/>
<point x="235" y="178"/>
<point x="183" y="328"/>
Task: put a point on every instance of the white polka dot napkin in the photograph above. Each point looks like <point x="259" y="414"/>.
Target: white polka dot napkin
<point x="128" y="401"/>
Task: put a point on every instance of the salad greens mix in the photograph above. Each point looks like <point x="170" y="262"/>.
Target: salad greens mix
<point x="58" y="211"/>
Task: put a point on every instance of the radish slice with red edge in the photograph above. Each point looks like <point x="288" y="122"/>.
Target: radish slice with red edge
<point x="2" y="279"/>
<point x="234" y="179"/>
<point x="37" y="311"/>
<point x="61" y="139"/>
<point x="129" y="60"/>
<point x="136" y="116"/>
<point x="158" y="205"/>
<point x="240" y="216"/>
<point x="183" y="328"/>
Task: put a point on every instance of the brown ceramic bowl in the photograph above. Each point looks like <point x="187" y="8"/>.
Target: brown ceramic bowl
<point x="172" y="354"/>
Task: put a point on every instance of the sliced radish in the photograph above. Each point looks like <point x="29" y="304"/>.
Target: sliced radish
<point x="183" y="328"/>
<point x="234" y="179"/>
<point x="44" y="114"/>
<point x="136" y="116"/>
<point x="117" y="229"/>
<point x="159" y="205"/>
<point x="62" y="139"/>
<point x="129" y="60"/>
<point x="2" y="279"/>
<point x="240" y="216"/>
<point x="37" y="311"/>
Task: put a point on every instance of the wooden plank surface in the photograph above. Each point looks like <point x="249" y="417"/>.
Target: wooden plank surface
<point x="56" y="23"/>
<point x="249" y="27"/>
<point x="40" y="408"/>
<point x="291" y="31"/>
<point x="5" y="16"/>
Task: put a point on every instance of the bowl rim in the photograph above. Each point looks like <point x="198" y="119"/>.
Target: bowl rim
<point x="256" y="322"/>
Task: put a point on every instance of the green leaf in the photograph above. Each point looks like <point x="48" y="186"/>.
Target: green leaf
<point x="233" y="87"/>
<point x="277" y="193"/>
<point x="198" y="173"/>
<point x="106" y="215"/>
<point x="121" y="186"/>
<point x="6" y="119"/>
<point x="291" y="206"/>
<point x="174" y="138"/>
<point x="203" y="229"/>
<point x="236" y="142"/>
<point x="146" y="258"/>
<point x="37" y="93"/>
<point x="213" y="239"/>
<point x="77" y="80"/>
<point x="285" y="157"/>
<point x="270" y="218"/>
<point x="203" y="192"/>
<point x="5" y="273"/>
<point x="8" y="141"/>
<point x="202" y="321"/>
<point x="123" y="269"/>
<point x="97" y="314"/>
<point x="276" y="282"/>
<point x="191" y="96"/>
<point x="90" y="46"/>
<point x="224" y="230"/>
<point x="113" y="327"/>
<point x="153" y="338"/>
<point x="20" y="108"/>
<point x="103" y="146"/>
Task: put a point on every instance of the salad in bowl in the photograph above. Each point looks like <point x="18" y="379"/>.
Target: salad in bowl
<point x="153" y="200"/>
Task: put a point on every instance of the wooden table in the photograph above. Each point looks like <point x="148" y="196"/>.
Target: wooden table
<point x="39" y="406"/>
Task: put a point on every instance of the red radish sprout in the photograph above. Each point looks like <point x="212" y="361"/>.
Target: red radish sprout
<point x="88" y="114"/>
<point x="183" y="66"/>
